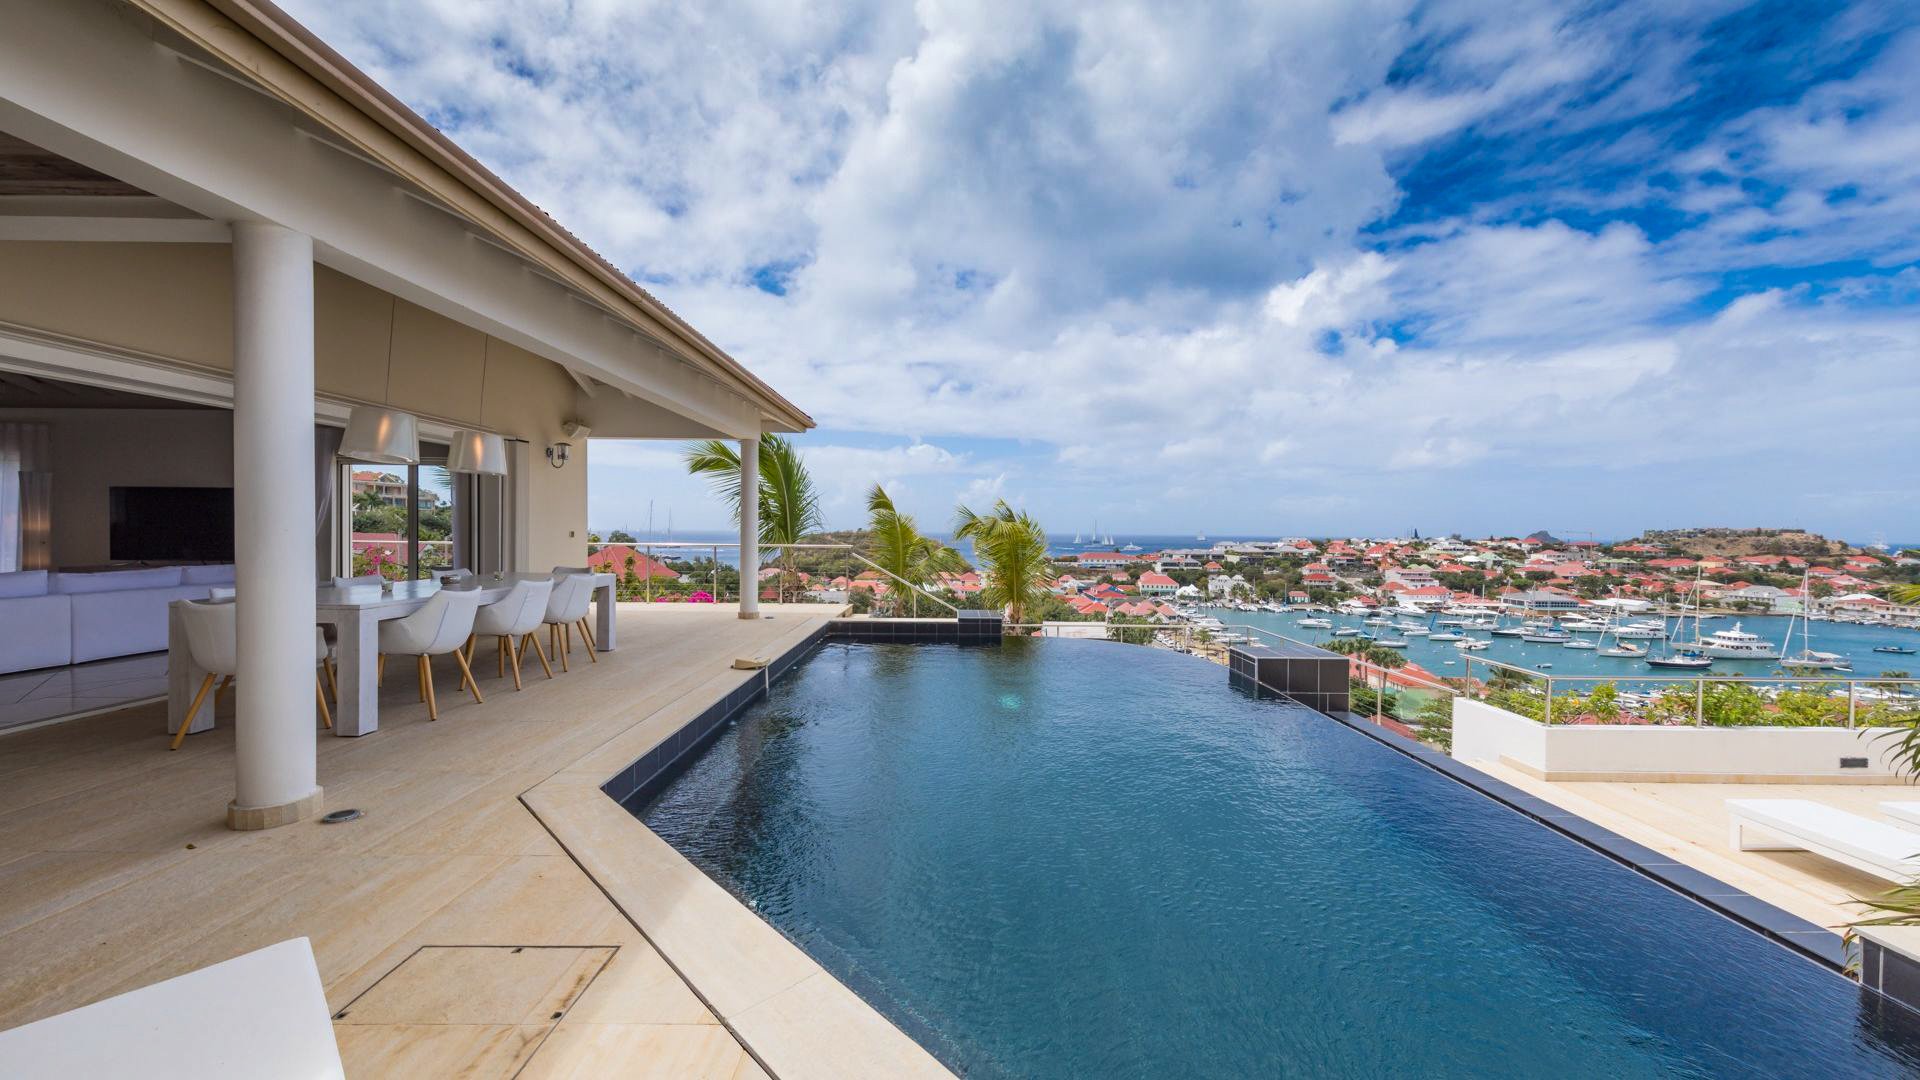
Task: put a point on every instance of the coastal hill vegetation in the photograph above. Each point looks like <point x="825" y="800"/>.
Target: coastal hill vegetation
<point x="1733" y="543"/>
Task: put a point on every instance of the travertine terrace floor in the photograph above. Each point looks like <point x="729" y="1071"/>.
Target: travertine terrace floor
<point x="452" y="931"/>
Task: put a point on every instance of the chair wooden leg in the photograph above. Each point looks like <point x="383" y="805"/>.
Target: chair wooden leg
<point x="565" y="647"/>
<point x="586" y="631"/>
<point x="500" y="646"/>
<point x="508" y="641"/>
<point x="333" y="680"/>
<point x="426" y="689"/>
<point x="193" y="710"/>
<point x="224" y="683"/>
<point x="380" y="671"/>
<point x="320" y="693"/>
<point x="587" y="637"/>
<point x="537" y="651"/>
<point x="471" y="683"/>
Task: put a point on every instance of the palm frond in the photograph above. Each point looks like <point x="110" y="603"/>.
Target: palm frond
<point x="719" y="463"/>
<point x="1013" y="548"/>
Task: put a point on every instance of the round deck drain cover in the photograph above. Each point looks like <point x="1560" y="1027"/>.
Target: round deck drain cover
<point x="338" y="816"/>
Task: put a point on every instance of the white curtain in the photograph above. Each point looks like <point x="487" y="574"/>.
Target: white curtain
<point x="26" y="497"/>
<point x="326" y="483"/>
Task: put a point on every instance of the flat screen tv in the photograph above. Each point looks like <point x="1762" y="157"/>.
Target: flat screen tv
<point x="170" y="524"/>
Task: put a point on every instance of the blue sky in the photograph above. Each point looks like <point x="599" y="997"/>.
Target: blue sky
<point x="1348" y="267"/>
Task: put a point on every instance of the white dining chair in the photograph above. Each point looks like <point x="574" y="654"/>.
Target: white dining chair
<point x="511" y="621"/>
<point x="213" y="639"/>
<point x="442" y="625"/>
<point x="567" y="609"/>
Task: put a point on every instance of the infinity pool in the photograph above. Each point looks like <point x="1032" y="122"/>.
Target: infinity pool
<point x="1066" y="859"/>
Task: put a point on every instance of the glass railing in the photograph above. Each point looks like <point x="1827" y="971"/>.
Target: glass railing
<point x="709" y="573"/>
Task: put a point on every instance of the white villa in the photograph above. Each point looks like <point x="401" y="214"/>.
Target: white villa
<point x="233" y="270"/>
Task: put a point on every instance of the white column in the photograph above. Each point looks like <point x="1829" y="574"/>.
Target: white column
<point x="276" y="781"/>
<point x="750" y="528"/>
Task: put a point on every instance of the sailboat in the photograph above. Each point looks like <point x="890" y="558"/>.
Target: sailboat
<point x="1807" y="657"/>
<point x="1676" y="655"/>
<point x="1620" y="649"/>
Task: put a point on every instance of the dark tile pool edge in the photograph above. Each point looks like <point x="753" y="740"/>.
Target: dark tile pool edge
<point x="643" y="778"/>
<point x="1809" y="939"/>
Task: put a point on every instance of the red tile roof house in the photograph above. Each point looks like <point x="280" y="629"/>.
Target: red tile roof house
<point x="1671" y="564"/>
<point x="613" y="558"/>
<point x="1155" y="584"/>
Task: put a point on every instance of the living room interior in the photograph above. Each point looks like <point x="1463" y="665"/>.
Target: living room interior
<point x="114" y="503"/>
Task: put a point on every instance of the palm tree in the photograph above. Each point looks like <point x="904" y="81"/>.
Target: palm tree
<point x="789" y="505"/>
<point x="1367" y="652"/>
<point x="1013" y="548"/>
<point x="902" y="550"/>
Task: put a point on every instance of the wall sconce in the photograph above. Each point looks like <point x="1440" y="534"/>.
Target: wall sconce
<point x="558" y="453"/>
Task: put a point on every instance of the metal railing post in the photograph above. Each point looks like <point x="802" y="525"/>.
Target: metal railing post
<point x="650" y="563"/>
<point x="1853" y="701"/>
<point x="1549" y="701"/>
<point x="1699" y="701"/>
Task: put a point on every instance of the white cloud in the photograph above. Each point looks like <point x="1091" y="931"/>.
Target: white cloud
<point x="1132" y="244"/>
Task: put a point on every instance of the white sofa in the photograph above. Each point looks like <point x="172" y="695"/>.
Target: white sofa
<point x="51" y="619"/>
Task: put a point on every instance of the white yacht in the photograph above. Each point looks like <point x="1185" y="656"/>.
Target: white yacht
<point x="1315" y="623"/>
<point x="1347" y="631"/>
<point x="1446" y="635"/>
<point x="1579" y="643"/>
<point x="1540" y="636"/>
<point x="1472" y="644"/>
<point x="1624" y="651"/>
<point x="1734" y="644"/>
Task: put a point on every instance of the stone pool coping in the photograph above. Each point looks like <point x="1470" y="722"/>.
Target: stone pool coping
<point x="790" y="1013"/>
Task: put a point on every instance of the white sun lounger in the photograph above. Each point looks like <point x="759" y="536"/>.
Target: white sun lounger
<point x="1906" y="813"/>
<point x="1869" y="846"/>
<point x="261" y="1014"/>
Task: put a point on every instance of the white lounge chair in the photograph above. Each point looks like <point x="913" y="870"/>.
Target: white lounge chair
<point x="1869" y="846"/>
<point x="1906" y="813"/>
<point x="260" y="1014"/>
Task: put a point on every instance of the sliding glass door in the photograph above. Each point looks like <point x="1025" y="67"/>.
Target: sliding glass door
<point x="402" y="516"/>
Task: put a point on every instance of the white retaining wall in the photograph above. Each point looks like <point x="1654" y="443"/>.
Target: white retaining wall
<point x="1484" y="733"/>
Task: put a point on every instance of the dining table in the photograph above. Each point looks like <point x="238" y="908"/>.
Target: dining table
<point x="355" y="613"/>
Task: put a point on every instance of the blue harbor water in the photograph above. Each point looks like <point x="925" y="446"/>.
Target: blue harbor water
<point x="1075" y="858"/>
<point x="1852" y="640"/>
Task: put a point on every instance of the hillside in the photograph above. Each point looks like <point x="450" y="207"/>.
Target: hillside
<point x="1737" y="542"/>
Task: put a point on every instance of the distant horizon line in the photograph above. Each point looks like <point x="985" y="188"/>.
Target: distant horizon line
<point x="1118" y="536"/>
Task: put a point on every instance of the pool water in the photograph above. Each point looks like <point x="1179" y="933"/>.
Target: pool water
<point x="1078" y="858"/>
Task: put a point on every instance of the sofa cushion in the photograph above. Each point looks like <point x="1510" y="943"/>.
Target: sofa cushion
<point x="125" y="622"/>
<point x="219" y="574"/>
<point x="159" y="577"/>
<point x="23" y="583"/>
<point x="35" y="632"/>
